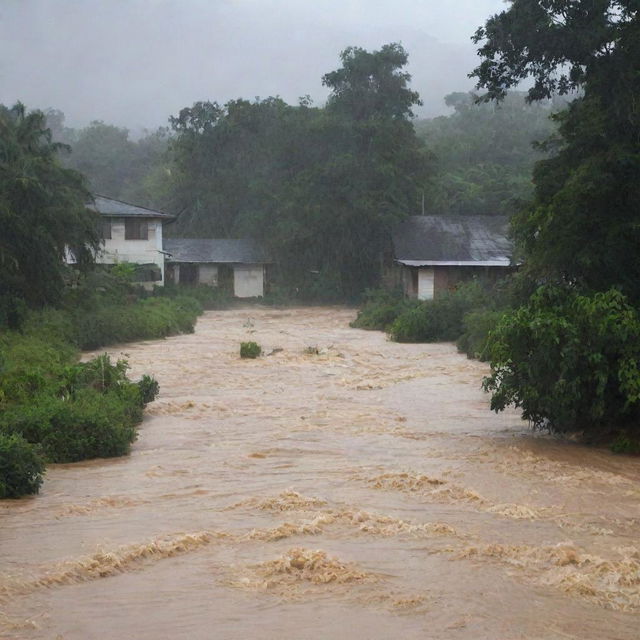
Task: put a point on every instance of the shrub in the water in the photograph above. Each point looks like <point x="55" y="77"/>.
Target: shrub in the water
<point x="149" y="388"/>
<point x="250" y="350"/>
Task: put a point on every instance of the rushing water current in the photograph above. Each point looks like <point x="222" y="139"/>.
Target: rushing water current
<point x="340" y="486"/>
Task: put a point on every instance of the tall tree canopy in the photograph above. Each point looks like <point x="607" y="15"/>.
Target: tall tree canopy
<point x="42" y="212"/>
<point x="321" y="187"/>
<point x="372" y="85"/>
<point x="584" y="224"/>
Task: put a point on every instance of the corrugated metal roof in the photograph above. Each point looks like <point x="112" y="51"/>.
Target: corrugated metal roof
<point x="116" y="208"/>
<point x="453" y="240"/>
<point x="245" y="250"/>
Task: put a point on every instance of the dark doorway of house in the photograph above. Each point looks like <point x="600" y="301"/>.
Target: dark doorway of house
<point x="225" y="278"/>
<point x="189" y="274"/>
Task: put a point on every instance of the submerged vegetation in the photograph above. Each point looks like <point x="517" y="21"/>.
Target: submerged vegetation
<point x="250" y="350"/>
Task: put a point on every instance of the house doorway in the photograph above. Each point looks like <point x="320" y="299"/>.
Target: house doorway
<point x="189" y="274"/>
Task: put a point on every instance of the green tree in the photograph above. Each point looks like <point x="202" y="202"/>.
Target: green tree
<point x="320" y="187"/>
<point x="569" y="357"/>
<point x="584" y="223"/>
<point x="42" y="213"/>
<point x="570" y="362"/>
<point x="372" y="85"/>
<point x="103" y="153"/>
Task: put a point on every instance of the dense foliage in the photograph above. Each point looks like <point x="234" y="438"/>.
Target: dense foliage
<point x="380" y="307"/>
<point x="440" y="319"/>
<point x="71" y="411"/>
<point x="570" y="361"/>
<point x="42" y="212"/>
<point x="466" y="315"/>
<point x="582" y="229"/>
<point x="54" y="407"/>
<point x="485" y="153"/>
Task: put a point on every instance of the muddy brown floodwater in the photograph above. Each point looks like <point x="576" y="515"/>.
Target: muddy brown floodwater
<point x="341" y="486"/>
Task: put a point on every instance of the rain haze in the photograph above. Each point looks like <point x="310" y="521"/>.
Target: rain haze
<point x="134" y="63"/>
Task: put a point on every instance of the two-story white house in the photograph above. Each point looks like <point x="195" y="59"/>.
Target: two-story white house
<point x="132" y="234"/>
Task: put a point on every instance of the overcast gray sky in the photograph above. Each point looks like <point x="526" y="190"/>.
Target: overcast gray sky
<point x="135" y="62"/>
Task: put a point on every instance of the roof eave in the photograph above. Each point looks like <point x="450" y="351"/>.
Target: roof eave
<point x="504" y="262"/>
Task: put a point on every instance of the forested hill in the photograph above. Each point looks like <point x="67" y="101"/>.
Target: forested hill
<point x="485" y="153"/>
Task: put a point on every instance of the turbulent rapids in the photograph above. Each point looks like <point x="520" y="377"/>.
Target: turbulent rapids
<point x="340" y="486"/>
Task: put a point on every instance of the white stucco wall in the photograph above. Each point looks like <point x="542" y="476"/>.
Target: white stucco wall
<point x="248" y="280"/>
<point x="426" y="283"/>
<point x="117" y="249"/>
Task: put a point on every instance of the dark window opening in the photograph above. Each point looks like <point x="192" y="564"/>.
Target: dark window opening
<point x="105" y="229"/>
<point x="136" y="229"/>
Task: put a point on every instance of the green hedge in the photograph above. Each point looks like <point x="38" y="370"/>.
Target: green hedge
<point x="92" y="425"/>
<point x="56" y="410"/>
<point x="142" y="320"/>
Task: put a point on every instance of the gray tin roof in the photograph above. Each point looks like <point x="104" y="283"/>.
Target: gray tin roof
<point x="244" y="251"/>
<point x="453" y="240"/>
<point x="116" y="208"/>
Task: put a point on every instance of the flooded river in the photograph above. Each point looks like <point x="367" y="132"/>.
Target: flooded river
<point x="341" y="486"/>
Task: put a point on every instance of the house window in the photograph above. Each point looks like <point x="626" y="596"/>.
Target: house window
<point x="136" y="229"/>
<point x="105" y="229"/>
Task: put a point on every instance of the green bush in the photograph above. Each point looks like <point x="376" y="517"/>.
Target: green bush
<point x="250" y="350"/>
<point x="149" y="388"/>
<point x="92" y="425"/>
<point x="381" y="307"/>
<point x="624" y="443"/>
<point x="571" y="362"/>
<point x="81" y="411"/>
<point x="477" y="325"/>
<point x="441" y="319"/>
<point x="21" y="467"/>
